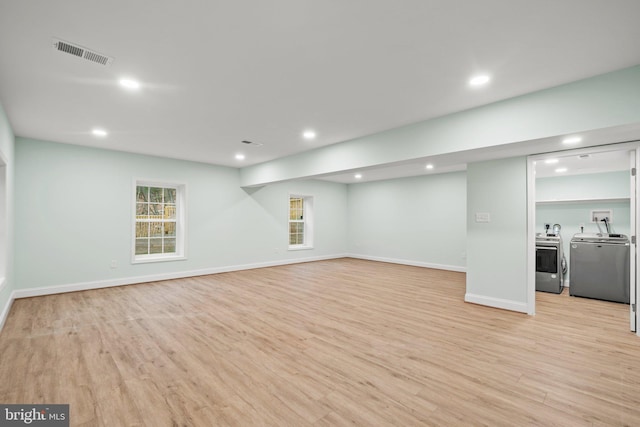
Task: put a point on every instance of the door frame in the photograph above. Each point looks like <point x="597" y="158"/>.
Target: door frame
<point x="634" y="201"/>
<point x="4" y="224"/>
<point x="635" y="226"/>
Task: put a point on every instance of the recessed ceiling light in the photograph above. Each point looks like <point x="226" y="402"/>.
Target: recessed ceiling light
<point x="429" y="166"/>
<point x="129" y="84"/>
<point x="309" y="134"/>
<point x="479" y="80"/>
<point x="99" y="132"/>
<point x="571" y="140"/>
<point x="561" y="170"/>
<point x="240" y="156"/>
<point x="551" y="161"/>
<point x="358" y="176"/>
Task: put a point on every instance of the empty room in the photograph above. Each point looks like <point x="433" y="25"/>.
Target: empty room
<point x="319" y="213"/>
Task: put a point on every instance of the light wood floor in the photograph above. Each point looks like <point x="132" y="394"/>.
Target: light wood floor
<point x="329" y="343"/>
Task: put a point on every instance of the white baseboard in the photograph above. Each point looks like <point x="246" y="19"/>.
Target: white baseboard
<point x="409" y="262"/>
<point x="5" y="310"/>
<point x="496" y="302"/>
<point x="98" y="284"/>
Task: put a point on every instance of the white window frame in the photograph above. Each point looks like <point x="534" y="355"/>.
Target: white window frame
<point x="307" y="219"/>
<point x="181" y="223"/>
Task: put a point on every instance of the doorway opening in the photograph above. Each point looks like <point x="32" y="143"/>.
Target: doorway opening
<point x="583" y="193"/>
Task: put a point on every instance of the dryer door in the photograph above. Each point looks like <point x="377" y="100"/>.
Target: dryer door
<point x="546" y="259"/>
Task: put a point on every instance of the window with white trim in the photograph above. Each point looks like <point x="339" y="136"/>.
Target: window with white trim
<point x="159" y="222"/>
<point x="300" y="222"/>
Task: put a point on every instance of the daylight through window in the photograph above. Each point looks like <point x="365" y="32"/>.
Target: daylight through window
<point x="296" y="221"/>
<point x="156" y="228"/>
<point x="300" y="224"/>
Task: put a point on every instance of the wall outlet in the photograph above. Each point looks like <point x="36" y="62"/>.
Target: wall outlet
<point x="114" y="264"/>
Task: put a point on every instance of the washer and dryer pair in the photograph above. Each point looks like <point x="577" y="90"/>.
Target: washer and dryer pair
<point x="599" y="265"/>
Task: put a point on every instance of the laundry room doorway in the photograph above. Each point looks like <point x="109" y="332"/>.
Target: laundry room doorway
<point x="583" y="203"/>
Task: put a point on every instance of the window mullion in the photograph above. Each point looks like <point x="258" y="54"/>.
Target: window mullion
<point x="151" y="201"/>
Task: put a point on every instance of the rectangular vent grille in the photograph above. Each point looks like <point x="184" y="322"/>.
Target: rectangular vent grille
<point x="257" y="144"/>
<point x="81" y="52"/>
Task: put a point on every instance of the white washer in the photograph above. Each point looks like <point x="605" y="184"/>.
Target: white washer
<point x="550" y="264"/>
<point x="600" y="267"/>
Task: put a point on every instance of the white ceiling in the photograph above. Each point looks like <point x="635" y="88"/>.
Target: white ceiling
<point x="215" y="73"/>
<point x="580" y="164"/>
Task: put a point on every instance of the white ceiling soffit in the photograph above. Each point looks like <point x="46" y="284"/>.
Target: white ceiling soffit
<point x="392" y="171"/>
<point x="214" y="74"/>
<point x="600" y="140"/>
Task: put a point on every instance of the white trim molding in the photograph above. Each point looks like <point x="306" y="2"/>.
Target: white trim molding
<point x="457" y="268"/>
<point x="307" y="221"/>
<point x="504" y="304"/>
<point x="180" y="222"/>
<point x="5" y="310"/>
<point x="98" y="284"/>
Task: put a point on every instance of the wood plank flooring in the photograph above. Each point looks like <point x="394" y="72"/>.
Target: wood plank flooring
<point x="331" y="343"/>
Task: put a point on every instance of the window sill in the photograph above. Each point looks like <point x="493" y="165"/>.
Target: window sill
<point x="300" y="248"/>
<point x="157" y="258"/>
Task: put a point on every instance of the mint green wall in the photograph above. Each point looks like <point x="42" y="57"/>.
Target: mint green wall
<point x="419" y="219"/>
<point x="74" y="215"/>
<point x="7" y="150"/>
<point x="608" y="100"/>
<point x="570" y="215"/>
<point x="590" y="188"/>
<point x="497" y="250"/>
<point x="586" y="186"/>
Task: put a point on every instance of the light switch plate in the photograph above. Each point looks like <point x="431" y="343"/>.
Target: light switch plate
<point x="483" y="217"/>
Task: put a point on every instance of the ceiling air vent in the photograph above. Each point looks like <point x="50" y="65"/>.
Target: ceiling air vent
<point x="255" y="144"/>
<point x="81" y="52"/>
